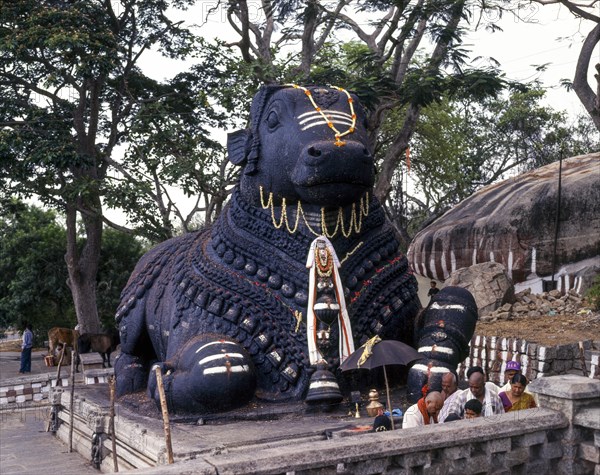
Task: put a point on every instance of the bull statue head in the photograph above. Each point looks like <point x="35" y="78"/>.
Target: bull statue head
<point x="304" y="144"/>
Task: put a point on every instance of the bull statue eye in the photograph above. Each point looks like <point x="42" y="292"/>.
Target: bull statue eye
<point x="272" y="119"/>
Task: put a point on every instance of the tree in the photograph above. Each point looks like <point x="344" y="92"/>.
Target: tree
<point x="589" y="95"/>
<point x="33" y="287"/>
<point x="120" y="253"/>
<point x="72" y="93"/>
<point x="34" y="284"/>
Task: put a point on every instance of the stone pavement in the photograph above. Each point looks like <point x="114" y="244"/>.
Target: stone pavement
<point x="10" y="362"/>
<point x="27" y="449"/>
<point x="25" y="446"/>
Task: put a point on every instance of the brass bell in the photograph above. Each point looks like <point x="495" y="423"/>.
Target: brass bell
<point x="323" y="387"/>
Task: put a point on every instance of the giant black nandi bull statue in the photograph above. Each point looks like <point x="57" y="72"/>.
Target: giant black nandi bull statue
<point x="228" y="313"/>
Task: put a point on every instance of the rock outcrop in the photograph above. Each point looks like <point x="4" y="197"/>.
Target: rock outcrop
<point x="488" y="282"/>
<point x="514" y="223"/>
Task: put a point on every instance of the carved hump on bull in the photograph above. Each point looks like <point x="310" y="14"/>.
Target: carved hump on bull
<point x="513" y="223"/>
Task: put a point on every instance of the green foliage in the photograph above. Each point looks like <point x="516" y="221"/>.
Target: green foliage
<point x="74" y="96"/>
<point x="34" y="286"/>
<point x="593" y="294"/>
<point x="120" y="253"/>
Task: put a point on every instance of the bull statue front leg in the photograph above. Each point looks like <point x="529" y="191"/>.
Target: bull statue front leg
<point x="444" y="332"/>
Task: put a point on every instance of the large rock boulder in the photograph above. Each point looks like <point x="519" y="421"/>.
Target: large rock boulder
<point x="514" y="223"/>
<point x="488" y="282"/>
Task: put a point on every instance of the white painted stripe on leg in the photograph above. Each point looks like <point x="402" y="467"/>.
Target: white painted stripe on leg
<point x="439" y="349"/>
<point x="437" y="306"/>
<point x="434" y="369"/>
<point x="224" y="369"/>
<point x="216" y="343"/>
<point x="210" y="358"/>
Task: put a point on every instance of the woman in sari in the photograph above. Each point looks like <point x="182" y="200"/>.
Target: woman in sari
<point x="517" y="399"/>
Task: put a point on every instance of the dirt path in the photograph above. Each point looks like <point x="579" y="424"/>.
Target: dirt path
<point x="546" y="330"/>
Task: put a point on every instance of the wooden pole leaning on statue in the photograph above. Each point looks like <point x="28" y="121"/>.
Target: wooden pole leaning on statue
<point x="62" y="357"/>
<point x="165" y="413"/>
<point x="389" y="402"/>
<point x="71" y="403"/>
<point x="113" y="436"/>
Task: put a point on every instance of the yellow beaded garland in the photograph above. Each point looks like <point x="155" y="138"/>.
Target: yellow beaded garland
<point x="354" y="225"/>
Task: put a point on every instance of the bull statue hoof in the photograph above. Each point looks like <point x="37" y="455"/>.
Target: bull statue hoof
<point x="234" y="311"/>
<point x="210" y="374"/>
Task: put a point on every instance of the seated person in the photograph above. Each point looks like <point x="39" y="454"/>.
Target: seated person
<point x="517" y="399"/>
<point x="477" y="390"/>
<point x="449" y="392"/>
<point x="381" y="422"/>
<point x="512" y="368"/>
<point x="473" y="408"/>
<point x="489" y="385"/>
<point x="424" y="412"/>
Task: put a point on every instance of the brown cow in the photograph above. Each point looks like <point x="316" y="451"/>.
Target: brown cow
<point x="103" y="343"/>
<point x="61" y="336"/>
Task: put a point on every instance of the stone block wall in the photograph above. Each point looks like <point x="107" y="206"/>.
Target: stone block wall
<point x="492" y="353"/>
<point x="26" y="389"/>
<point x="34" y="388"/>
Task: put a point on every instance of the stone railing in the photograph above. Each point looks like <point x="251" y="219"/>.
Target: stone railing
<point x="540" y="440"/>
<point x="492" y="353"/>
<point x="562" y="437"/>
<point x="579" y="400"/>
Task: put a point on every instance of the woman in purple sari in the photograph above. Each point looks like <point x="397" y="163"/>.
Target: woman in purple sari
<point x="517" y="399"/>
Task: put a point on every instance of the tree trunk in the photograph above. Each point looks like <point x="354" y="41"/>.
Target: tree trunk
<point x="83" y="268"/>
<point x="584" y="91"/>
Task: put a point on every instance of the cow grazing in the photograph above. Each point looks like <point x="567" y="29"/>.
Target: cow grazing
<point x="223" y="312"/>
<point x="58" y="336"/>
<point x="103" y="343"/>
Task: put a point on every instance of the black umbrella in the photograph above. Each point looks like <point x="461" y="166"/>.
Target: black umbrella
<point x="376" y="353"/>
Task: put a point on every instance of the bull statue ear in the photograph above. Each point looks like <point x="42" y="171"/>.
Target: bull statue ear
<point x="237" y="146"/>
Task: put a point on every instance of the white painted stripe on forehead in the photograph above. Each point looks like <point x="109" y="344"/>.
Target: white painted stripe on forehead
<point x="216" y="343"/>
<point x="208" y="359"/>
<point x="321" y="122"/>
<point x="329" y="112"/>
<point x="223" y="369"/>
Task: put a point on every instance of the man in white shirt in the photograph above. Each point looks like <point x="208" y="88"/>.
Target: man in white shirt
<point x="477" y="390"/>
<point x="424" y="412"/>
